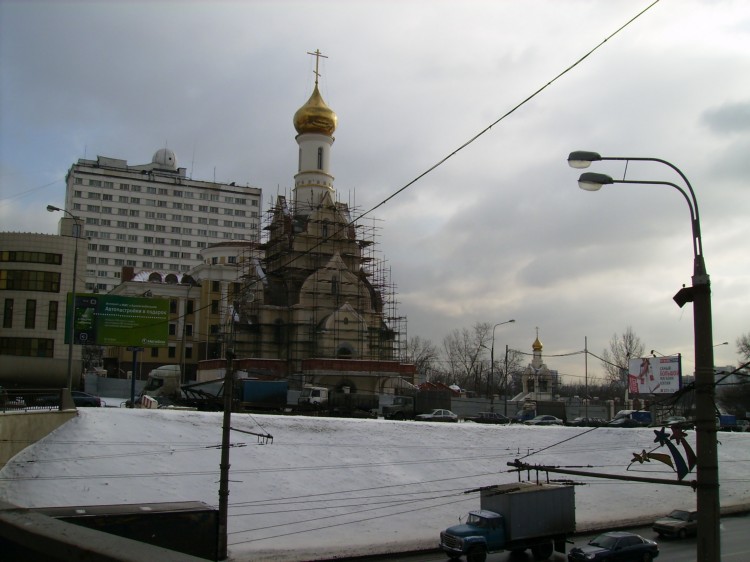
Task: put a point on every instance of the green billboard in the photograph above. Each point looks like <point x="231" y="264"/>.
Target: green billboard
<point x="118" y="321"/>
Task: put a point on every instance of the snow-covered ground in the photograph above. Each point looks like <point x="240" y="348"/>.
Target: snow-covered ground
<point x="335" y="487"/>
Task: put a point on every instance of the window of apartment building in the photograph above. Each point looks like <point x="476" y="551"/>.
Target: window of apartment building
<point x="187" y="218"/>
<point x="102" y="287"/>
<point x="160" y="240"/>
<point x="174" y="241"/>
<point x="149" y="226"/>
<point x="130" y="263"/>
<point x="213" y="209"/>
<point x="119" y="261"/>
<point x="125" y="186"/>
<point x="228" y="199"/>
<point x="188" y="352"/>
<point x="122" y="211"/>
<point x="187" y="206"/>
<point x="30" y="321"/>
<point x="187" y="243"/>
<point x="150" y="189"/>
<point x="185" y="255"/>
<point x="93" y="247"/>
<point x="132" y="250"/>
<point x="172" y="351"/>
<point x="163" y="191"/>
<point x="254" y="202"/>
<point x="77" y="193"/>
<point x="189" y="330"/>
<point x="122" y="199"/>
<point x="146" y="264"/>
<point x="121" y="224"/>
<point x="91" y="260"/>
<point x="23" y="280"/>
<point x="134" y="212"/>
<point x="159" y="265"/>
<point x="215" y="286"/>
<point x="103" y="261"/>
<point x="135" y="200"/>
<point x="148" y="239"/>
<point x="79" y="181"/>
<point x="202" y="232"/>
<point x="27" y="347"/>
<point x="106" y="222"/>
<point x="202" y="220"/>
<point x="135" y="188"/>
<point x="176" y="205"/>
<point x="177" y="218"/>
<point x="227" y="211"/>
<point x="213" y="222"/>
<point x="93" y="195"/>
<point x="90" y="272"/>
<point x="177" y="193"/>
<point x="176" y="229"/>
<point x="132" y="237"/>
<point x="214" y="307"/>
<point x="148" y="252"/>
<point x="214" y="329"/>
<point x="95" y="183"/>
<point x="228" y="223"/>
<point x="159" y="253"/>
<point x="116" y="275"/>
<point x="173" y="306"/>
<point x="93" y="208"/>
<point x="103" y="248"/>
<point x="120" y="249"/>
<point x="239" y="224"/>
<point x="154" y="352"/>
<point x="240" y="201"/>
<point x="174" y="254"/>
<point x="92" y="221"/>
<point x="102" y="274"/>
<point x="76" y="206"/>
<point x="227" y="235"/>
<point x="203" y="208"/>
<point x="150" y="215"/>
<point x="189" y="307"/>
<point x="91" y="233"/>
<point x="161" y="228"/>
<point x="213" y="234"/>
<point x="214" y="197"/>
<point x="52" y="315"/>
<point x="108" y="184"/>
<point x="150" y="202"/>
<point x="8" y="314"/>
<point x="107" y="197"/>
<point x="239" y="213"/>
<point x="172" y="329"/>
<point x="174" y="267"/>
<point x="161" y="203"/>
<point x="201" y="244"/>
<point x="232" y="259"/>
<point x="189" y="195"/>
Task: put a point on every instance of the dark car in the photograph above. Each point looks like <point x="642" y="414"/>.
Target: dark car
<point x="82" y="399"/>
<point x="544" y="420"/>
<point x="625" y="422"/>
<point x="438" y="416"/>
<point x="616" y="546"/>
<point x="489" y="417"/>
<point x="679" y="523"/>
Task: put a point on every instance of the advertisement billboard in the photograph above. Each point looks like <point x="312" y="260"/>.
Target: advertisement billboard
<point x="119" y="321"/>
<point x="654" y="375"/>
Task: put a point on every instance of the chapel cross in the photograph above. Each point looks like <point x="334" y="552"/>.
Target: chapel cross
<point x="317" y="54"/>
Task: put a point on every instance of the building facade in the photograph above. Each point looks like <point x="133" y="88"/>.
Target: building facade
<point x="152" y="216"/>
<point x="36" y="274"/>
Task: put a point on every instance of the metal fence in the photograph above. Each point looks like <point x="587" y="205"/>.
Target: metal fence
<point x="18" y="399"/>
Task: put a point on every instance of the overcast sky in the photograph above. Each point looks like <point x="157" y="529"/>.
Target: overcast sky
<point x="498" y="231"/>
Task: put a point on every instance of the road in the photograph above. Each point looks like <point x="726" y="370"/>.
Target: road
<point x="734" y="546"/>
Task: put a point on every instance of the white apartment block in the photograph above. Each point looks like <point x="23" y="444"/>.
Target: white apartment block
<point x="152" y="216"/>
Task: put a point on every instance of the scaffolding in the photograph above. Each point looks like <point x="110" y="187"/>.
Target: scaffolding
<point x="316" y="287"/>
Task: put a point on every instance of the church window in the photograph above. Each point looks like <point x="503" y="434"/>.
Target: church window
<point x="334" y="285"/>
<point x="320" y="158"/>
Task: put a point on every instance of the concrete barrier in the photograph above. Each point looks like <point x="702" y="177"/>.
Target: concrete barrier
<point x="20" y="429"/>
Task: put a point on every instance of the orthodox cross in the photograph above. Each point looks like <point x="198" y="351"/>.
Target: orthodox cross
<point x="317" y="54"/>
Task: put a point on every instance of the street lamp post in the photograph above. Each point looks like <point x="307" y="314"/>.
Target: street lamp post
<point x="709" y="544"/>
<point x="71" y="320"/>
<point x="492" y="364"/>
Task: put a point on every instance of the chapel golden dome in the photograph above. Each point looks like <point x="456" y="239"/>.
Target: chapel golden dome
<point x="537" y="345"/>
<point x="315" y="116"/>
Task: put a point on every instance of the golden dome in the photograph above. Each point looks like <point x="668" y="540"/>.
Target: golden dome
<point x="537" y="345"/>
<point x="315" y="116"/>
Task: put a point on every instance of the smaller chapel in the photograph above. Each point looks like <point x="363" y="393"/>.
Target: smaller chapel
<point x="538" y="382"/>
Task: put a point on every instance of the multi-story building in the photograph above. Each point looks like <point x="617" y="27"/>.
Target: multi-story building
<point x="36" y="274"/>
<point x="152" y="216"/>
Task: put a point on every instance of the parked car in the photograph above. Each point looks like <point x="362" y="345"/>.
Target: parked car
<point x="587" y="422"/>
<point x="742" y="425"/>
<point x="616" y="546"/>
<point x="82" y="399"/>
<point x="544" y="420"/>
<point x="679" y="523"/>
<point x="489" y="417"/>
<point x="625" y="422"/>
<point x="438" y="416"/>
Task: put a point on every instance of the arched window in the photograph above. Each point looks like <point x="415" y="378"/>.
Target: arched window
<point x="320" y="158"/>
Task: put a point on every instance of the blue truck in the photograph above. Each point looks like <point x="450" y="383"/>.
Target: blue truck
<point x="514" y="517"/>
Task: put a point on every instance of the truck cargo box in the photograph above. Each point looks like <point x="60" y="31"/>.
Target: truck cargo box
<point x="263" y="394"/>
<point x="532" y="510"/>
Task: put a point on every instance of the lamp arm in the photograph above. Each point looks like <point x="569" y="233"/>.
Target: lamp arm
<point x="694" y="222"/>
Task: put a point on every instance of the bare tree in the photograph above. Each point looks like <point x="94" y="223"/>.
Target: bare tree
<point x="622" y="348"/>
<point x="743" y="346"/>
<point x="423" y="354"/>
<point x="465" y="351"/>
